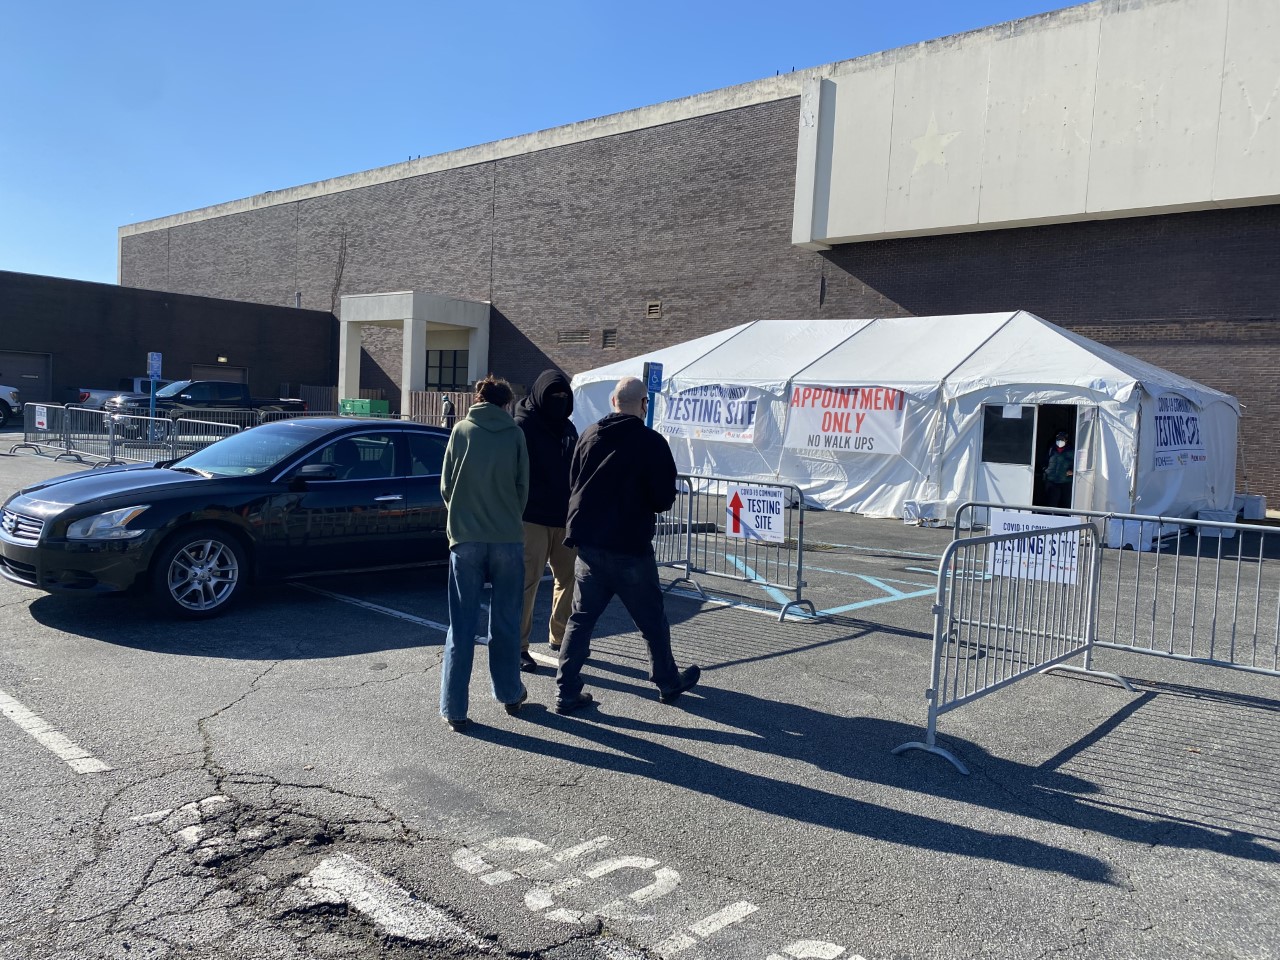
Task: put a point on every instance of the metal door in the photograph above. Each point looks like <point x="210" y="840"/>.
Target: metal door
<point x="30" y="373"/>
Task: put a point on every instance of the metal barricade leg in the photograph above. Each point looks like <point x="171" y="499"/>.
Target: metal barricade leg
<point x="940" y="635"/>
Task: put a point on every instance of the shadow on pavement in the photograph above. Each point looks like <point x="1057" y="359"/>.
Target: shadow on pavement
<point x="858" y="748"/>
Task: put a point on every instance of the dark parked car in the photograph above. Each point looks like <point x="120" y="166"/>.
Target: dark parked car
<point x="287" y="499"/>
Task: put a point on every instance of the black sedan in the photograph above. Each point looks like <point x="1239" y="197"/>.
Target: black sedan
<point x="287" y="499"/>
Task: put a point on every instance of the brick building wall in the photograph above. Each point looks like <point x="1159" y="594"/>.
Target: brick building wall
<point x="97" y="333"/>
<point x="696" y="215"/>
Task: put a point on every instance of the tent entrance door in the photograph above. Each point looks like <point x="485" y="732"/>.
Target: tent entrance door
<point x="1015" y="449"/>
<point x="1052" y="419"/>
<point x="1004" y="474"/>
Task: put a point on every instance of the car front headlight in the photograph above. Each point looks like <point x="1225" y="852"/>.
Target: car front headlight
<point x="106" y="526"/>
<point x="13" y="397"/>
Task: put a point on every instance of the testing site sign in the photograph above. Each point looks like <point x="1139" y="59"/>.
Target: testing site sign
<point x="1178" y="439"/>
<point x="714" y="411"/>
<point x="755" y="513"/>
<point x="1050" y="557"/>
<point x="824" y="420"/>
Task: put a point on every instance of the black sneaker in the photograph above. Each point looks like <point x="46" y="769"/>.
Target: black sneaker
<point x="514" y="708"/>
<point x="568" y="706"/>
<point x="457" y="726"/>
<point x="688" y="680"/>
<point x="527" y="663"/>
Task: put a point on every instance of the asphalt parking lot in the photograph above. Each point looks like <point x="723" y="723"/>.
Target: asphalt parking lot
<point x="277" y="784"/>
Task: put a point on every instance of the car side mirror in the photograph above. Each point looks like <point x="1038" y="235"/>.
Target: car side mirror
<point x="317" y="471"/>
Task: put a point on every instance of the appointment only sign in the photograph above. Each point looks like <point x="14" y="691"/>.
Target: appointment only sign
<point x="827" y="420"/>
<point x="755" y="513"/>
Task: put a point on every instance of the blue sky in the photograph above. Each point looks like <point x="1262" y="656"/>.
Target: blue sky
<point x="125" y="111"/>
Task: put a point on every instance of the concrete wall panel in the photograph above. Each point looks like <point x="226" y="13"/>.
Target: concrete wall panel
<point x="939" y="116"/>
<point x="1155" y="126"/>
<point x="861" y="137"/>
<point x="1039" y="124"/>
<point x="1248" y="149"/>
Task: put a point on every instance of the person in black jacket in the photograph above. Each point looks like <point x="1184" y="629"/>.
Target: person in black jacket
<point x="551" y="437"/>
<point x="622" y="475"/>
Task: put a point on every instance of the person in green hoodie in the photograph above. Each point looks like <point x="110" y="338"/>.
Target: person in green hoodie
<point x="485" y="483"/>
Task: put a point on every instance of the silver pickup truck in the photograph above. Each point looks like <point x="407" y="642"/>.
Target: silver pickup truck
<point x="92" y="398"/>
<point x="10" y="404"/>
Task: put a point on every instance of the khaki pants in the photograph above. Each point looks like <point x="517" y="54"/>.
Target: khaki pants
<point x="543" y="545"/>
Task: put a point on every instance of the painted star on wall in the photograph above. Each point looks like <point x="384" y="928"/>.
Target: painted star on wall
<point x="931" y="146"/>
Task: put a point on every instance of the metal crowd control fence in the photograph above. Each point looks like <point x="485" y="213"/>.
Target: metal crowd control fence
<point x="1009" y="605"/>
<point x="79" y="433"/>
<point x="44" y="427"/>
<point x="1202" y="591"/>
<point x="745" y="530"/>
<point x="272" y="416"/>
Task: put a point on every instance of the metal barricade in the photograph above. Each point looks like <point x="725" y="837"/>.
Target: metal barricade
<point x="134" y="439"/>
<point x="88" y="434"/>
<point x="271" y="416"/>
<point x="188" y="436"/>
<point x="1009" y="605"/>
<point x="242" y="419"/>
<point x="43" y="429"/>
<point x="709" y="534"/>
<point x="78" y="432"/>
<point x="138" y="439"/>
<point x="1202" y="591"/>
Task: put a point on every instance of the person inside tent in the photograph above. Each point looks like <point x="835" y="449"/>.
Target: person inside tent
<point x="1058" y="472"/>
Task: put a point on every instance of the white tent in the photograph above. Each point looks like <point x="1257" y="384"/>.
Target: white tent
<point x="866" y="415"/>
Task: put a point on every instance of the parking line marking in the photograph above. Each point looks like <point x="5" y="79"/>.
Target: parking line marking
<point x="680" y="942"/>
<point x="893" y="594"/>
<point x="77" y="758"/>
<point x="375" y="607"/>
<point x="343" y="879"/>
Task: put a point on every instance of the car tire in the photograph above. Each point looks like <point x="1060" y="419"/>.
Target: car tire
<point x="199" y="572"/>
<point x="5" y="413"/>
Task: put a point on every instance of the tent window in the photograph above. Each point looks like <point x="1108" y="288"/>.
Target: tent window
<point x="1005" y="438"/>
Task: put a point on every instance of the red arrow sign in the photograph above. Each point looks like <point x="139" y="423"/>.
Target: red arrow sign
<point x="734" y="506"/>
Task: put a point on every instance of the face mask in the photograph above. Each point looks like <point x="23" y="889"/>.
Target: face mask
<point x="1061" y="444"/>
<point x="555" y="407"/>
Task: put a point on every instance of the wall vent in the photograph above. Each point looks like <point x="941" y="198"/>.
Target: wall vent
<point x="653" y="310"/>
<point x="573" y="336"/>
<point x="609" y="338"/>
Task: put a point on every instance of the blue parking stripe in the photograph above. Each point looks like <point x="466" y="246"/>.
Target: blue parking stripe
<point x="893" y="594"/>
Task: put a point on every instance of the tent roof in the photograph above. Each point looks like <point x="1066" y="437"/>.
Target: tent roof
<point x="956" y="355"/>
<point x="673" y="358"/>
<point x="914" y="354"/>
<point x="766" y="353"/>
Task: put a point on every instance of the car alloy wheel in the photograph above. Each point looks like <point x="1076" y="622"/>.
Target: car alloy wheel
<point x="200" y="572"/>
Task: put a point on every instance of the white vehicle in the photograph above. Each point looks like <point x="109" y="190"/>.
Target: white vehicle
<point x="10" y="404"/>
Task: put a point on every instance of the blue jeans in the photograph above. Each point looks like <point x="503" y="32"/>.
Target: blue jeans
<point x="599" y="576"/>
<point x="470" y="564"/>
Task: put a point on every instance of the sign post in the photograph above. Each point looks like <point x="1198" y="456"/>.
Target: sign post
<point x="153" y="374"/>
<point x="653" y="383"/>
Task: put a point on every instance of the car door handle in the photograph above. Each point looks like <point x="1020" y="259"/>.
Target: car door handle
<point x="389" y="497"/>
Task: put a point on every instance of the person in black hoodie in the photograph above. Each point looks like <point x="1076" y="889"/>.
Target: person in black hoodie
<point x="622" y="475"/>
<point x="551" y="437"/>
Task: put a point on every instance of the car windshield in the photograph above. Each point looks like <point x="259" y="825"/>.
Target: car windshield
<point x="173" y="389"/>
<point x="250" y="452"/>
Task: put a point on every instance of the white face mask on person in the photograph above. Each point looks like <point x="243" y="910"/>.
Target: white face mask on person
<point x="1061" y="444"/>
